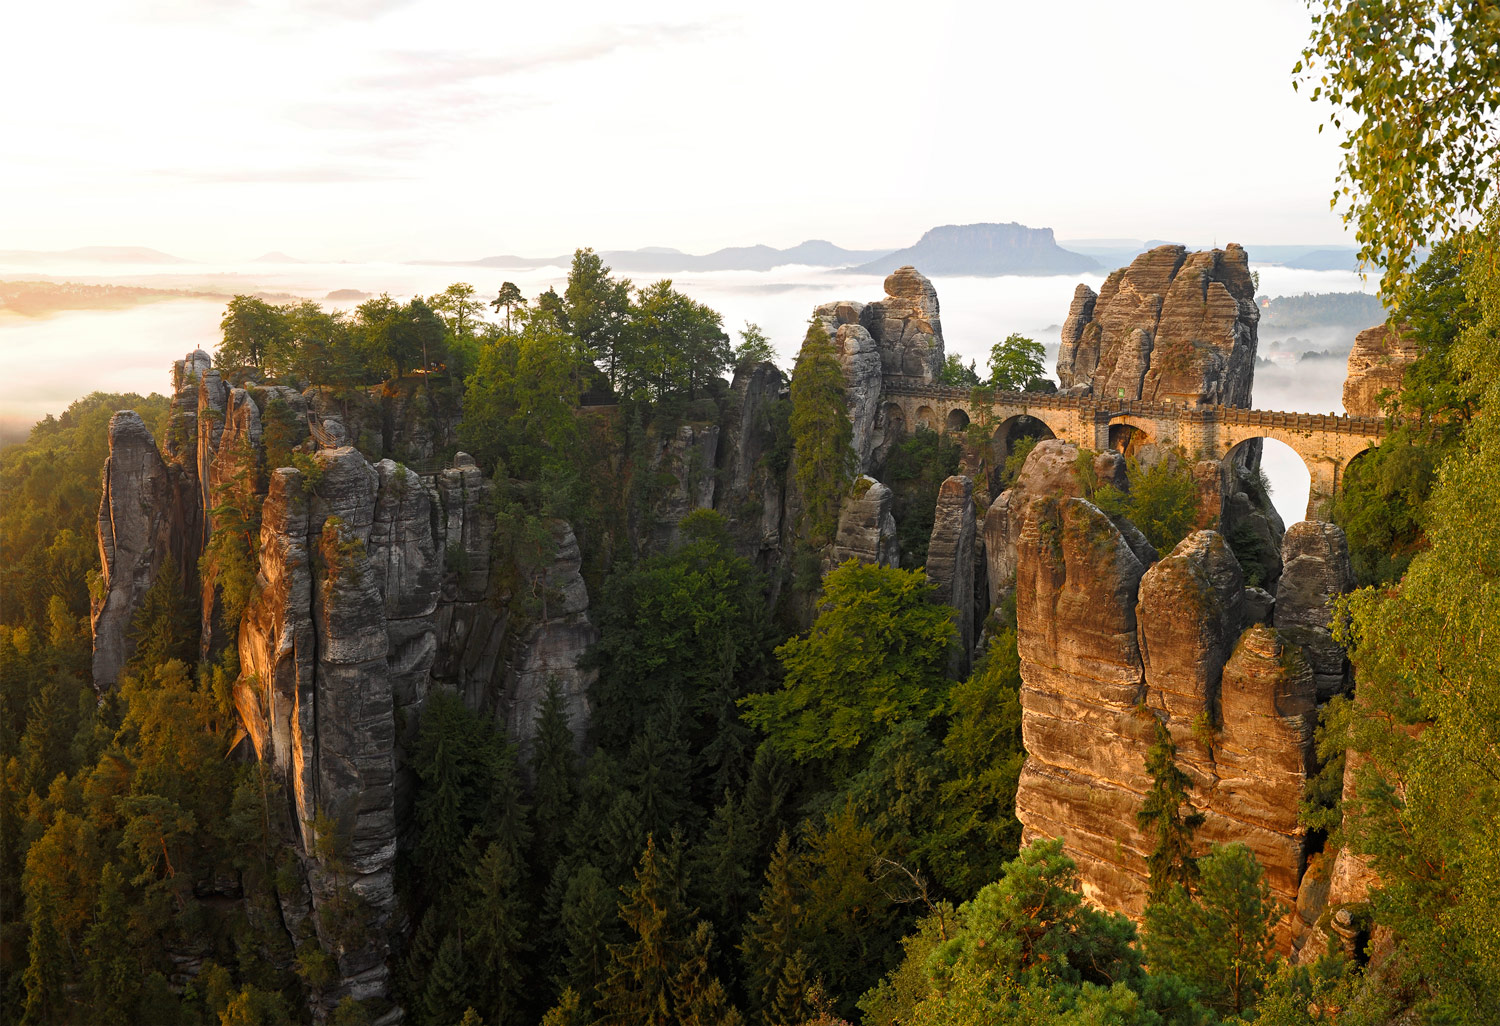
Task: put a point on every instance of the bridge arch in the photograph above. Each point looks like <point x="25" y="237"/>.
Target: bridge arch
<point x="1009" y="433"/>
<point x="926" y="418"/>
<point x="894" y="418"/>
<point x="1256" y="462"/>
<point x="958" y="420"/>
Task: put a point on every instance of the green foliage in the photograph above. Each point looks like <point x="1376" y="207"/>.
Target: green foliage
<point x="509" y="297"/>
<point x="876" y="655"/>
<point x="257" y="337"/>
<point x="1017" y="459"/>
<point x="954" y="374"/>
<point x="1017" y="364"/>
<point x="1426" y="716"/>
<point x="1219" y="940"/>
<point x="754" y="348"/>
<point x="821" y="434"/>
<point x="1162" y="501"/>
<point x="1171" y="861"/>
<point x="915" y="470"/>
<point x="1419" y="85"/>
<point x="672" y="346"/>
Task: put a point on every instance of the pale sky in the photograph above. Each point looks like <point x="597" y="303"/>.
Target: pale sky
<point x="338" y="129"/>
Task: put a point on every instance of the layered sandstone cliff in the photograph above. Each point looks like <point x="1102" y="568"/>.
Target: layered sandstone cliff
<point x="1173" y="326"/>
<point x="1113" y="639"/>
<point x="1376" y="369"/>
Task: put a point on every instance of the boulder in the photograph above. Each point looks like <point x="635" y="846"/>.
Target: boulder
<point x="1377" y="366"/>
<point x="1315" y="571"/>
<point x="907" y="326"/>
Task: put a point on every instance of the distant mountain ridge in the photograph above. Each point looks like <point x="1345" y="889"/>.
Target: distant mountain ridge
<point x="971" y="249"/>
<point x="984" y="250"/>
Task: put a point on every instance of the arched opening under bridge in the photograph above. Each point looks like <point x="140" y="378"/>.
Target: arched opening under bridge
<point x="926" y="418"/>
<point x="1012" y="434"/>
<point x="1265" y="486"/>
<point x="1128" y="439"/>
<point x="958" y="420"/>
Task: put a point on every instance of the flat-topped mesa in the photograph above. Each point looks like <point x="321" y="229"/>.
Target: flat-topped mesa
<point x="1173" y="326"/>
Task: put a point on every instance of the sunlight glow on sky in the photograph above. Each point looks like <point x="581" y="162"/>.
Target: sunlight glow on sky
<point x="337" y="129"/>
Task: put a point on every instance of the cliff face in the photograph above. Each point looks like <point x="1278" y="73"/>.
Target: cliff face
<point x="372" y="586"/>
<point x="1112" y="638"/>
<point x="1377" y="366"/>
<point x="1172" y="325"/>
<point x="898" y="338"/>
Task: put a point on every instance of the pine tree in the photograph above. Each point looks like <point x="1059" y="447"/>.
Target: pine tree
<point x="641" y="970"/>
<point x="555" y="776"/>
<point x="821" y="434"/>
<point x="795" y="992"/>
<point x="772" y="934"/>
<point x="587" y="919"/>
<point x="446" y="993"/>
<point x="697" y="994"/>
<point x="112" y="966"/>
<point x="495" y="939"/>
<point x="1171" y="861"/>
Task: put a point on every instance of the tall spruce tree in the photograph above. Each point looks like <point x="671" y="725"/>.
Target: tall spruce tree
<point x="554" y="774"/>
<point x="644" y="967"/>
<point x="773" y="932"/>
<point x="1171" y="861"/>
<point x="822" y="435"/>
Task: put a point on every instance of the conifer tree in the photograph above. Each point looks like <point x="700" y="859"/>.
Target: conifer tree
<point x="697" y="994"/>
<point x="795" y="993"/>
<point x="642" y="969"/>
<point x="555" y="779"/>
<point x="772" y="934"/>
<point x="587" y="920"/>
<point x="495" y="938"/>
<point x="821" y="434"/>
<point x="446" y="993"/>
<point x="111" y="963"/>
<point x="1171" y="861"/>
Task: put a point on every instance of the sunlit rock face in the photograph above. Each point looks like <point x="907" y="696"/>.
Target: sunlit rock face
<point x="1173" y="325"/>
<point x="1114" y="640"/>
<point x="1316" y="571"/>
<point x="1376" y="369"/>
<point x="751" y="492"/>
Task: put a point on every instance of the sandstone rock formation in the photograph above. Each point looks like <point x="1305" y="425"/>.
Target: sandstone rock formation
<point x="898" y="338"/>
<point x="552" y="651"/>
<point x="867" y="527"/>
<point x="1316" y="571"/>
<point x="1110" y="642"/>
<point x="1377" y="365"/>
<point x="950" y="563"/>
<point x="138" y="532"/>
<point x="685" y="462"/>
<point x="1172" y="325"/>
<point x="1048" y="473"/>
<point x="751" y="491"/>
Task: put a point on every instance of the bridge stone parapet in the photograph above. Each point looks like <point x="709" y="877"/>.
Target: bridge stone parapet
<point x="1326" y="443"/>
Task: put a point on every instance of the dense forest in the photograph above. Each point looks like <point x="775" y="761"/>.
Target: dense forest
<point x="788" y="809"/>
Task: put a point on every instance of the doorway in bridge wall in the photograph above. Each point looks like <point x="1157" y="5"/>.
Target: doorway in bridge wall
<point x="1265" y="486"/>
<point x="1013" y="437"/>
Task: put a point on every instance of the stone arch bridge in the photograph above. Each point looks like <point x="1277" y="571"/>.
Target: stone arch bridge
<point x="1327" y="444"/>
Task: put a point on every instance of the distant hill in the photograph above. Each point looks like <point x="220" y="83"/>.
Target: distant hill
<point x="660" y="259"/>
<point x="276" y="257"/>
<point x="1326" y="309"/>
<point x="984" y="249"/>
<point x="96" y="254"/>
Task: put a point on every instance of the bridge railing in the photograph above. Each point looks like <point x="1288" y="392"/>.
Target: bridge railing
<point x="1323" y="422"/>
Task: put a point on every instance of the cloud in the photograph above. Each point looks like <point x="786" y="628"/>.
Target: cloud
<point x="311" y="175"/>
<point x="413" y="69"/>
